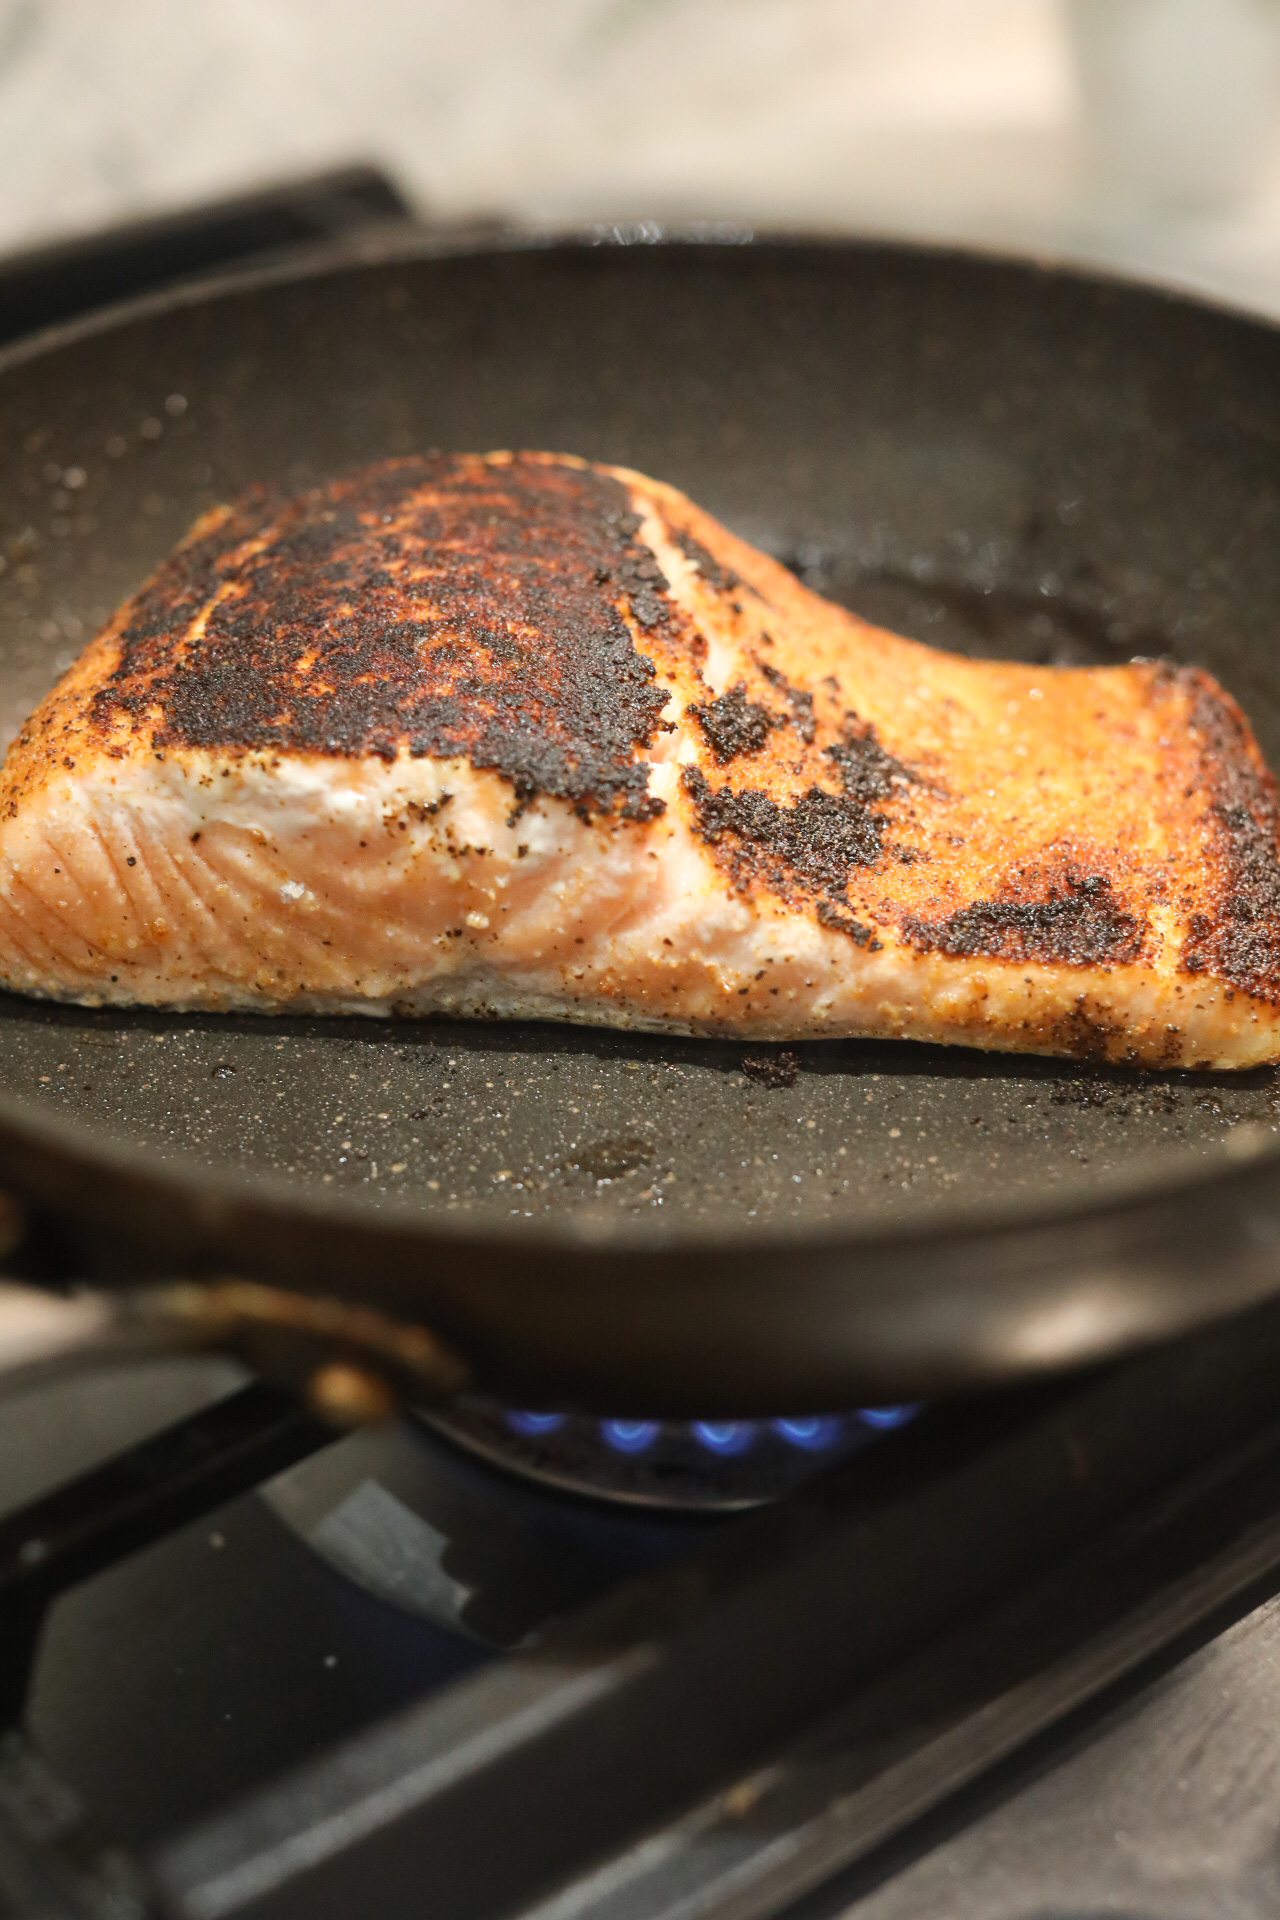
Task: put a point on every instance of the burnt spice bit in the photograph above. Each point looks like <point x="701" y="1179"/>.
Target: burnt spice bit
<point x="773" y="1070"/>
<point x="733" y="724"/>
<point x="445" y="605"/>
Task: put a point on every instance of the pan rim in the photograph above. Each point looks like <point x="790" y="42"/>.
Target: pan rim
<point x="383" y="247"/>
<point x="182" y="1176"/>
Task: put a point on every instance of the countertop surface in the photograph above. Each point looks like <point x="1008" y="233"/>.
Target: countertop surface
<point x="951" y="119"/>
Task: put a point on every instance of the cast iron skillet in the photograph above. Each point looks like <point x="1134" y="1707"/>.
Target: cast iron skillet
<point x="1015" y="460"/>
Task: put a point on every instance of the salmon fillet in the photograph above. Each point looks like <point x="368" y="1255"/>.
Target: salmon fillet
<point x="516" y="735"/>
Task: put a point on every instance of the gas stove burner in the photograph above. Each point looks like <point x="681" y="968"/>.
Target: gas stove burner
<point x="693" y="1465"/>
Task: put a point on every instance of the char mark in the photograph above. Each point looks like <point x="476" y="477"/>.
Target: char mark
<point x="810" y="847"/>
<point x="444" y="606"/>
<point x="708" y="566"/>
<point x="867" y="772"/>
<point x="733" y="724"/>
<point x="800" y="702"/>
<point x="829" y="915"/>
<point x="1085" y="927"/>
<point x="1240" y="940"/>
<point x="815" y="842"/>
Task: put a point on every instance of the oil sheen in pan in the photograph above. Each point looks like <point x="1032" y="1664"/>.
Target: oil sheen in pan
<point x="531" y="1121"/>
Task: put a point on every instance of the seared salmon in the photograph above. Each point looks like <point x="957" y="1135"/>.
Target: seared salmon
<point x="516" y="735"/>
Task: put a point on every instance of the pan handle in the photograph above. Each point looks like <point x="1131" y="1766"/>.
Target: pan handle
<point x="352" y="1363"/>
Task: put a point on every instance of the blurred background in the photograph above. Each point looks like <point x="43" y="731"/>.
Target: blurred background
<point x="1136" y="131"/>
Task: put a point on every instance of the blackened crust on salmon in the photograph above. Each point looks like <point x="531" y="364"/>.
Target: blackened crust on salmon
<point x="1084" y="927"/>
<point x="733" y="725"/>
<point x="1240" y="940"/>
<point x="811" y="845"/>
<point x="449" y="605"/>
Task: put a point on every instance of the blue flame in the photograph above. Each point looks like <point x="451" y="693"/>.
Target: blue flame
<point x="814" y="1432"/>
<point x="725" y="1436"/>
<point x="884" y="1419"/>
<point x="629" y="1436"/>
<point x="811" y="1433"/>
<point x="533" y="1423"/>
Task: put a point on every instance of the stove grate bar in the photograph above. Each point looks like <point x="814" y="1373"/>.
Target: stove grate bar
<point x="948" y="1718"/>
<point x="177" y="1476"/>
<point x="899" y="1571"/>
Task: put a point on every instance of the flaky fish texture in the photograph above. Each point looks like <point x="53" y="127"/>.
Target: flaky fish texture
<point x="516" y="735"/>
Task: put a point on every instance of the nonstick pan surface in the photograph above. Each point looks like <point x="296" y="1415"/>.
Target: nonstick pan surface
<point x="1001" y="458"/>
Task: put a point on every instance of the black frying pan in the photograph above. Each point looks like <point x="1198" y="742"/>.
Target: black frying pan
<point x="1009" y="459"/>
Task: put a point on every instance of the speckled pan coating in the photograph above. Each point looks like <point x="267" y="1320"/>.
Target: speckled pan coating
<point x="1001" y="458"/>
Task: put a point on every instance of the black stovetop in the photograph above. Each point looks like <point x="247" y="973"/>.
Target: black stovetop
<point x="986" y="1663"/>
<point x="1016" y="1661"/>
